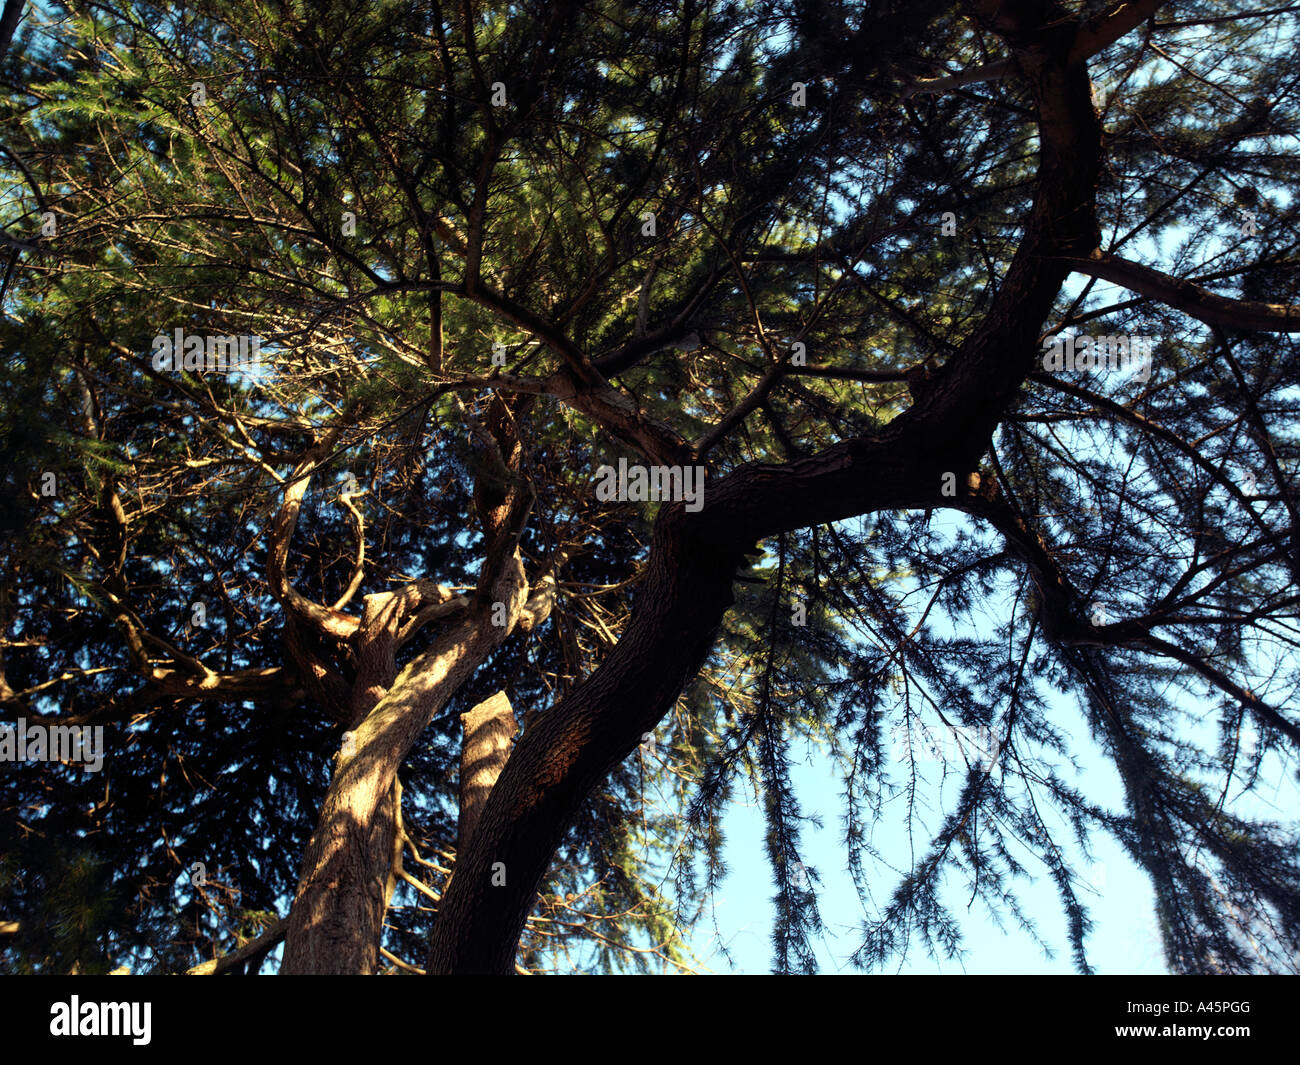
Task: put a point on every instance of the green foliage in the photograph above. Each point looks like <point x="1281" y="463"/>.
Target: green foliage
<point x="522" y="226"/>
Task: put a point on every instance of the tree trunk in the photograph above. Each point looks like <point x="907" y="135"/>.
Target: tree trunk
<point x="567" y="751"/>
<point x="336" y="923"/>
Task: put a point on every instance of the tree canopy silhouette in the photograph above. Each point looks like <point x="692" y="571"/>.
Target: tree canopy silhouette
<point x="945" y="356"/>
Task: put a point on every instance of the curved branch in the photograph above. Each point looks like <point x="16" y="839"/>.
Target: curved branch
<point x="328" y="622"/>
<point x="1252" y="702"/>
<point x="1061" y="600"/>
<point x="358" y="567"/>
<point x="694" y="557"/>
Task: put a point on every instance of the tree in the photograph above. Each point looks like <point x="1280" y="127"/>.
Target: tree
<point x="803" y="274"/>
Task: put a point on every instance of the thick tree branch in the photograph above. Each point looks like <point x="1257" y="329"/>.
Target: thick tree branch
<point x="1108" y="26"/>
<point x="693" y="557"/>
<point x="1184" y="296"/>
<point x="13" y="12"/>
<point x="488" y="729"/>
<point x="254" y="948"/>
<point x="336" y="921"/>
<point x="987" y="72"/>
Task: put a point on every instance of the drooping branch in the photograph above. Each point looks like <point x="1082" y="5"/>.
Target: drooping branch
<point x="1266" y="714"/>
<point x="1154" y="429"/>
<point x="1061" y="608"/>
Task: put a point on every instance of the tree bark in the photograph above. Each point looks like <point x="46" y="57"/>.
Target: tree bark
<point x="336" y="922"/>
<point x="13" y="12"/>
<point x="489" y="729"/>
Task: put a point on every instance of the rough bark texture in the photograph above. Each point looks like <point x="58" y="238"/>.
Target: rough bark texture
<point x="519" y="821"/>
<point x="336" y="923"/>
<point x="489" y="729"/>
<point x="337" y="915"/>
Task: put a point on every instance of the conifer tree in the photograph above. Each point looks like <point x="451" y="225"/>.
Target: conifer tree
<point x="976" y="321"/>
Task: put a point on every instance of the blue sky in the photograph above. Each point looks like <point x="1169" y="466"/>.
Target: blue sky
<point x="1125" y="939"/>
